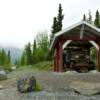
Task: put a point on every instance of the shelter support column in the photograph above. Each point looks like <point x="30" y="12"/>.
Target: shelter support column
<point x="60" y="57"/>
<point x="56" y="59"/>
<point x="98" y="57"/>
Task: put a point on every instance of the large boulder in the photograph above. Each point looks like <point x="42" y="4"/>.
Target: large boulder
<point x="86" y="88"/>
<point x="26" y="84"/>
<point x="3" y="74"/>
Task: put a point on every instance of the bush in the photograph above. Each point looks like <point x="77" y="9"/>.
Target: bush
<point x="45" y="65"/>
<point x="38" y="87"/>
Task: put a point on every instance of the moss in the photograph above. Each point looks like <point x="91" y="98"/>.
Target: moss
<point x="38" y="87"/>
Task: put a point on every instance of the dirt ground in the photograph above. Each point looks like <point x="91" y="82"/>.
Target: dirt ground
<point x="55" y="86"/>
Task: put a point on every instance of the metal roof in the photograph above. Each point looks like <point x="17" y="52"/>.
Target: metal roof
<point x="96" y="31"/>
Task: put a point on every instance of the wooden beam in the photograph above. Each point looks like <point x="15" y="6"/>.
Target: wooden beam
<point x="82" y="31"/>
<point x="77" y="37"/>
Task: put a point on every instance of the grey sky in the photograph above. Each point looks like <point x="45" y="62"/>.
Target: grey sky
<point x="20" y="20"/>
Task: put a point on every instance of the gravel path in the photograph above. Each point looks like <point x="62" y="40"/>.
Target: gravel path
<point x="55" y="86"/>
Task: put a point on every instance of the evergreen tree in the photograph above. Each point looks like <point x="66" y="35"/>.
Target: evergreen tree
<point x="60" y="18"/>
<point x="9" y="57"/>
<point x="34" y="52"/>
<point x="90" y="17"/>
<point x="29" y="54"/>
<point x="0" y="57"/>
<point x="3" y="57"/>
<point x="97" y="19"/>
<point x="23" y="59"/>
<point x="84" y="17"/>
<point x="54" y="28"/>
<point x="57" y="23"/>
<point x="34" y="46"/>
<point x="5" y="60"/>
<point x="40" y="50"/>
<point x="7" y="63"/>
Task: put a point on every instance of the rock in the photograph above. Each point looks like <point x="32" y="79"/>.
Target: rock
<point x="26" y="84"/>
<point x="3" y="74"/>
<point x="1" y="87"/>
<point x="13" y="67"/>
<point x="71" y="72"/>
<point x="86" y="88"/>
<point x="94" y="71"/>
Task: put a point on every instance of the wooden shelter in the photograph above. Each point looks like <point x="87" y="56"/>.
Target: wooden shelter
<point x="82" y="32"/>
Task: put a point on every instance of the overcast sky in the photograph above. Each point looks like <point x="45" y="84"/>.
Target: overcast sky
<point x="20" y="20"/>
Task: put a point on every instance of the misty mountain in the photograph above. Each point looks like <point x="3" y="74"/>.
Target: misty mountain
<point x="14" y="52"/>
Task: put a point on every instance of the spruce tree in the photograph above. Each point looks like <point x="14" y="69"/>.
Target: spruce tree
<point x="54" y="29"/>
<point x="60" y="18"/>
<point x="84" y="17"/>
<point x="29" y="54"/>
<point x="90" y="17"/>
<point x="34" y="46"/>
<point x="9" y="57"/>
<point x="7" y="63"/>
<point x="23" y="60"/>
<point x="57" y="23"/>
<point x="3" y="57"/>
<point x="34" y="52"/>
<point x="97" y="19"/>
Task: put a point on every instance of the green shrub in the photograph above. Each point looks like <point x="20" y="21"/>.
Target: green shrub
<point x="45" y="65"/>
<point x="38" y="87"/>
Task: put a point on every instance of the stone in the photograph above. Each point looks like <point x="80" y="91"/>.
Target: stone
<point x="94" y="71"/>
<point x="13" y="67"/>
<point x="86" y="88"/>
<point x="71" y="72"/>
<point x="1" y="87"/>
<point x="3" y="74"/>
<point x="26" y="84"/>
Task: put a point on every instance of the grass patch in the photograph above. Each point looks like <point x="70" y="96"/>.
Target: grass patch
<point x="44" y="66"/>
<point x="38" y="87"/>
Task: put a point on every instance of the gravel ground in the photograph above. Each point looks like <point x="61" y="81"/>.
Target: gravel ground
<point x="55" y="86"/>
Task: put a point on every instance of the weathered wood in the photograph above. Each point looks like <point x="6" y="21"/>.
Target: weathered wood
<point x="78" y="58"/>
<point x="98" y="67"/>
<point x="77" y="37"/>
<point x="88" y="33"/>
<point x="56" y="57"/>
<point x="61" y="69"/>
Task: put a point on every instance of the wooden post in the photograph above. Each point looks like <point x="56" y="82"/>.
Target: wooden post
<point x="60" y="57"/>
<point x="98" y="58"/>
<point x="56" y="59"/>
<point x="54" y="67"/>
